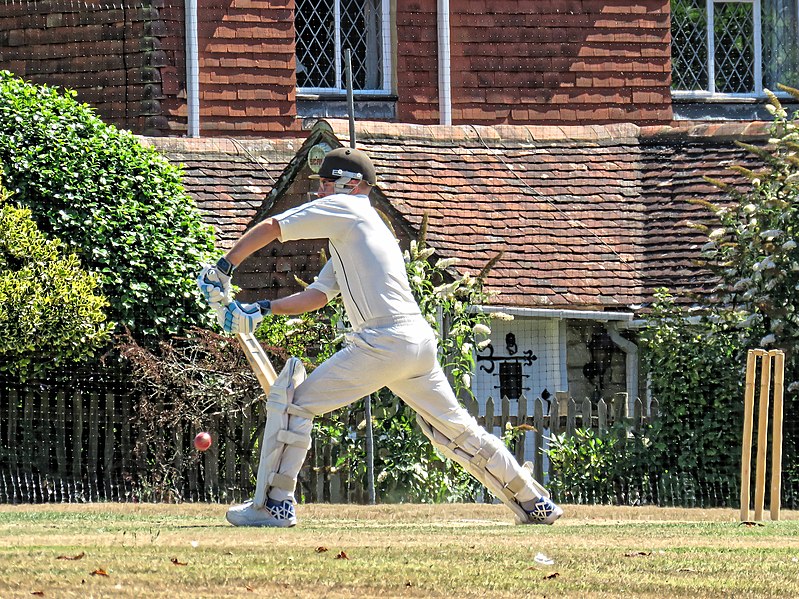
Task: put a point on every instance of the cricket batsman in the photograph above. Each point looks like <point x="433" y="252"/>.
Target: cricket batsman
<point x="391" y="346"/>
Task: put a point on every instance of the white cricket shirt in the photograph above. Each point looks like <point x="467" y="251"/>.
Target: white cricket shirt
<point x="366" y="264"/>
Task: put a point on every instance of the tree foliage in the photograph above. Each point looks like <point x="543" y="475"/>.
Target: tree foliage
<point x="118" y="205"/>
<point x="696" y="370"/>
<point x="50" y="311"/>
<point x="754" y="247"/>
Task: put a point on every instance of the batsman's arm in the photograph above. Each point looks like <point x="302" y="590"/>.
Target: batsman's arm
<point x="253" y="240"/>
<point x="306" y="300"/>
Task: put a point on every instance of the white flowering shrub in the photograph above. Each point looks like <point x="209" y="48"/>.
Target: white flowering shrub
<point x="754" y="248"/>
<point x="448" y="300"/>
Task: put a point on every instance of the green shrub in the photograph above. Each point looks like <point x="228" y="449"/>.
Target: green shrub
<point x="50" y="312"/>
<point x="117" y="204"/>
<point x="696" y="365"/>
<point x="609" y="467"/>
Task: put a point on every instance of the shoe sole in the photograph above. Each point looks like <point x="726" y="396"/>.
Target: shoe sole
<point x="265" y="523"/>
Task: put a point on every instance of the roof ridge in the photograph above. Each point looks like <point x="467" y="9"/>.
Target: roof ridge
<point x="378" y="130"/>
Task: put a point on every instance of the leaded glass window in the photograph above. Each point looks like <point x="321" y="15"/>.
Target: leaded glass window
<point x="733" y="47"/>
<point x="325" y="28"/>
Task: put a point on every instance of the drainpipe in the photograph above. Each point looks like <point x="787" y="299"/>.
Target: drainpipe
<point x="192" y="70"/>
<point x="631" y="351"/>
<point x="444" y="82"/>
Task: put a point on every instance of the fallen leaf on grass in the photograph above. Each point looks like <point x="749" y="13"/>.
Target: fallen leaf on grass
<point x="249" y="588"/>
<point x="38" y="593"/>
<point x="72" y="557"/>
<point x="751" y="524"/>
<point x="409" y="584"/>
<point x="342" y="555"/>
<point x="99" y="572"/>
<point x="638" y="554"/>
<point x="552" y="576"/>
<point x="686" y="570"/>
<point x="321" y="549"/>
<point x="175" y="561"/>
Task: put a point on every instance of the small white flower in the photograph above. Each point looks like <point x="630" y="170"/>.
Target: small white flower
<point x="466" y="349"/>
<point x="426" y="253"/>
<point x="484" y="344"/>
<point x="501" y="316"/>
<point x="750" y="208"/>
<point x="447" y="262"/>
<point x="362" y="425"/>
<point x="716" y="234"/>
<point x="467" y="381"/>
<point x="481" y="329"/>
<point x="382" y="476"/>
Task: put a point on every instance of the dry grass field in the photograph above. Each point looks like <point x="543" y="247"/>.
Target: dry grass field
<point x="462" y="550"/>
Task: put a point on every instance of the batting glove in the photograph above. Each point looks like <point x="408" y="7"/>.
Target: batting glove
<point x="236" y="317"/>
<point x="214" y="283"/>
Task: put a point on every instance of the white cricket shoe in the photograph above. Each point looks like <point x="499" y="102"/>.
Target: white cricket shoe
<point x="543" y="511"/>
<point x="278" y="514"/>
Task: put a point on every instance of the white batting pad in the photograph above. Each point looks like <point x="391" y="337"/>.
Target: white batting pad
<point x="280" y="432"/>
<point x="473" y="449"/>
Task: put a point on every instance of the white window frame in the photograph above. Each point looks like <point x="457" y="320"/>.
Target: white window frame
<point x="711" y="93"/>
<point x="386" y="51"/>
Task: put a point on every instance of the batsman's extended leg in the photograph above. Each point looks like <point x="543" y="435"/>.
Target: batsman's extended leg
<point x="459" y="437"/>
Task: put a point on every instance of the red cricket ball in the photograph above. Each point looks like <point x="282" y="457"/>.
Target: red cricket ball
<point x="202" y="441"/>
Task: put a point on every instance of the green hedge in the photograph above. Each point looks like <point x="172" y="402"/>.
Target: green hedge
<point x="119" y="205"/>
<point x="49" y="309"/>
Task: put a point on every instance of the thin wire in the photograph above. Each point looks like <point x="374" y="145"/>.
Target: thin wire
<point x="252" y="158"/>
<point x="569" y="220"/>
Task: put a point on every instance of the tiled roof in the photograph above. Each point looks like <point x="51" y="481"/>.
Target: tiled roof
<point x="587" y="217"/>
<point x="227" y="178"/>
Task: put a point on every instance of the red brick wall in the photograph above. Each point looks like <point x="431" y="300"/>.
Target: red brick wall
<point x="129" y="62"/>
<point x="247" y="68"/>
<point x="542" y="61"/>
<point x="513" y="61"/>
<point x="110" y="54"/>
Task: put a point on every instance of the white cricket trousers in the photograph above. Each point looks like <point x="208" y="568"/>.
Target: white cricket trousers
<point x="399" y="353"/>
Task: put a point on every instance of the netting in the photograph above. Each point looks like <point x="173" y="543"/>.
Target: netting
<point x="559" y="160"/>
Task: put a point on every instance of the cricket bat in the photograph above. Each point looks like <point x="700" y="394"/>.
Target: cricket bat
<point x="259" y="362"/>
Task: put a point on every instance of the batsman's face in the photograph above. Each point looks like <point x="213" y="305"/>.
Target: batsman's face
<point x="326" y="187"/>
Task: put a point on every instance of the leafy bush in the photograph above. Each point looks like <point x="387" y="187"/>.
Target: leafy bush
<point x="754" y="247"/>
<point x="593" y="467"/>
<point x="50" y="312"/>
<point x="117" y="204"/>
<point x="696" y="365"/>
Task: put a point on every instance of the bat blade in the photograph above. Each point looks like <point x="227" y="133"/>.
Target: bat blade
<point x="259" y="362"/>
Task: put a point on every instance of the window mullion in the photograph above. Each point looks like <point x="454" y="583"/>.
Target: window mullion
<point x="758" y="30"/>
<point x="711" y="47"/>
<point x="385" y="33"/>
<point x="339" y="66"/>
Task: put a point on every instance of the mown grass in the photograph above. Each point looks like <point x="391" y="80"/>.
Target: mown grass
<point x="187" y="550"/>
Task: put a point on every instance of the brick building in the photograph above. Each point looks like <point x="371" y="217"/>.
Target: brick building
<point x="565" y="148"/>
<point x="264" y="66"/>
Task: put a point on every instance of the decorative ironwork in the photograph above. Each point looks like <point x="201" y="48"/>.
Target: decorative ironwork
<point x="527" y="358"/>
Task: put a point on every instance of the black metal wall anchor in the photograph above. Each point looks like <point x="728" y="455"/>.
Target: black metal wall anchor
<point x="527" y="358"/>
